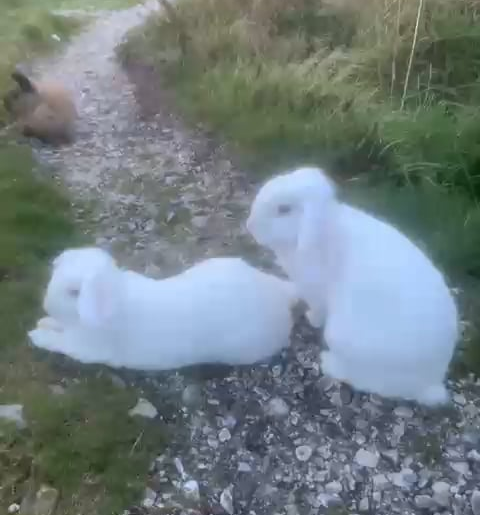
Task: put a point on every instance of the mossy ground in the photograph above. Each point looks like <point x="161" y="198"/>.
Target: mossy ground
<point x="81" y="441"/>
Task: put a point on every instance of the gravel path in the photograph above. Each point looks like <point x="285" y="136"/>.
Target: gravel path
<point x="278" y="438"/>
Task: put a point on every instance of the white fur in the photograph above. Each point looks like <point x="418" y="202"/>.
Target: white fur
<point x="389" y="319"/>
<point x="221" y="310"/>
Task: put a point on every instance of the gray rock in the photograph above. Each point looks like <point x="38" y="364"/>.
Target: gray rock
<point x="381" y="482"/>
<point x="43" y="502"/>
<point x="424" y="502"/>
<point x="333" y="488"/>
<point x="192" y="396"/>
<point x="13" y="508"/>
<point x="403" y="412"/>
<point x="277" y="407"/>
<point x="224" y="435"/>
<point x="191" y="490"/>
<point x="13" y="413"/>
<point x="244" y="467"/>
<point x="303" y="452"/>
<point x="149" y="498"/>
<point x="143" y="408"/>
<point x="461" y="467"/>
<point x="366" y="458"/>
<point x="226" y="499"/>
<point x="475" y="502"/>
<point x="441" y="493"/>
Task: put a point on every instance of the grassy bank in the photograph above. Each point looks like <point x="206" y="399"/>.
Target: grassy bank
<point x="69" y="410"/>
<point x="382" y="91"/>
<point x="70" y="413"/>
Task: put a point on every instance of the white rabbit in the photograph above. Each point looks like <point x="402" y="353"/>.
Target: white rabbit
<point x="221" y="310"/>
<point x="389" y="319"/>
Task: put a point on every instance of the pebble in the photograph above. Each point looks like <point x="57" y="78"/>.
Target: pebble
<point x="366" y="458"/>
<point x="475" y="502"/>
<point x="192" y="396"/>
<point x="303" y="452"/>
<point x="224" y="435"/>
<point x="191" y="490"/>
<point x="277" y="407"/>
<point x="226" y="500"/>
<point x="244" y="467"/>
<point x="424" y="502"/>
<point x="149" y="498"/>
<point x="333" y="488"/>
<point x="380" y="482"/>
<point x="403" y="412"/>
<point x="143" y="408"/>
<point x="441" y="493"/>
<point x="461" y="467"/>
<point x="13" y="413"/>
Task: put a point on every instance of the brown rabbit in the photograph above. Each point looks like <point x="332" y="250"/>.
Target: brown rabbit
<point x="42" y="110"/>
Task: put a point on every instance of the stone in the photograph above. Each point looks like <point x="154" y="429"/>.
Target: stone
<point x="13" y="413"/>
<point x="149" y="498"/>
<point x="191" y="490"/>
<point x="224" y="435"/>
<point x="192" y="396"/>
<point x="441" y="493"/>
<point x="43" y="502"/>
<point x="424" y="502"/>
<point x="403" y="412"/>
<point x="475" y="502"/>
<point x="13" y="508"/>
<point x="333" y="488"/>
<point x="277" y="407"/>
<point x="143" y="408"/>
<point x="380" y="482"/>
<point x="461" y="467"/>
<point x="391" y="455"/>
<point x="303" y="452"/>
<point x="364" y="505"/>
<point x="244" y="467"/>
<point x="366" y="458"/>
<point x="226" y="499"/>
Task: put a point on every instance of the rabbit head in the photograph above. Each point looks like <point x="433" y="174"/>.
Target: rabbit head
<point x="24" y="99"/>
<point x="290" y="211"/>
<point x="44" y="110"/>
<point x="84" y="287"/>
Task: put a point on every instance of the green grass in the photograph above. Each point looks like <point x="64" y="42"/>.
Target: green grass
<point x="330" y="82"/>
<point x="69" y="442"/>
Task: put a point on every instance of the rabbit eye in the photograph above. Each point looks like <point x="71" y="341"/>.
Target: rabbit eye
<point x="284" y="209"/>
<point x="73" y="292"/>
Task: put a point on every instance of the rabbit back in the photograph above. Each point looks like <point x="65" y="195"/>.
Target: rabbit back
<point x="219" y="311"/>
<point x="392" y="319"/>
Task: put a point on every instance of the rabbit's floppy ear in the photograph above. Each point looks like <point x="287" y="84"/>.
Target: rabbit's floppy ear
<point x="99" y="294"/>
<point x="23" y="81"/>
<point x="316" y="216"/>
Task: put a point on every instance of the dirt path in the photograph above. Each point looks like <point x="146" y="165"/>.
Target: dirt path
<point x="272" y="439"/>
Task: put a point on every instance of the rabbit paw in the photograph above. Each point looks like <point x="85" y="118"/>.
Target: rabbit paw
<point x="332" y="366"/>
<point x="45" y="338"/>
<point x="50" y="323"/>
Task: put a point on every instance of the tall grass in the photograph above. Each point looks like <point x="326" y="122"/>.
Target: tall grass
<point x="355" y="85"/>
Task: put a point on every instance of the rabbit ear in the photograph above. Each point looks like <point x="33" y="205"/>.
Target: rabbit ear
<point x="23" y="81"/>
<point x="316" y="219"/>
<point x="98" y="297"/>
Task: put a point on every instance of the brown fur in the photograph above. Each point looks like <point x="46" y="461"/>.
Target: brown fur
<point x="42" y="110"/>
